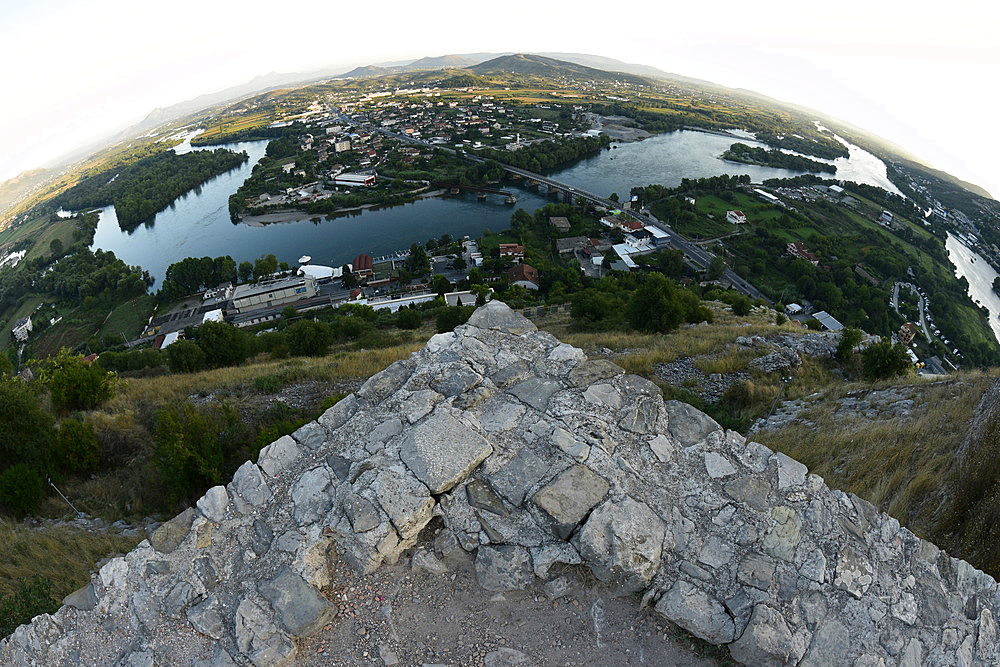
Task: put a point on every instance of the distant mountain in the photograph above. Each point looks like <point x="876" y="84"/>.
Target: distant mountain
<point x="442" y="62"/>
<point x="14" y="189"/>
<point x="531" y="64"/>
<point x="367" y="71"/>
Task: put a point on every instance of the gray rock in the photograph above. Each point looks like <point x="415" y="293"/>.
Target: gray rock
<point x="481" y="496"/>
<point x="569" y="497"/>
<point x="311" y="496"/>
<point x="214" y="503"/>
<point x="83" y="599"/>
<point x="535" y="392"/>
<point x="604" y="394"/>
<point x="718" y="465"/>
<point x="545" y="556"/>
<point x="498" y="316"/>
<point x="262" y="536"/>
<point x="556" y="588"/>
<point x="361" y="513"/>
<point x="781" y="541"/>
<point x="831" y="645"/>
<point x="337" y="415"/>
<point x="570" y="445"/>
<point x="340" y="466"/>
<point x="177" y="599"/>
<point x="442" y="451"/>
<point x="405" y="500"/>
<point x="854" y="572"/>
<point x="516" y="478"/>
<point x="205" y="618"/>
<point x="697" y="612"/>
<point x="587" y="373"/>
<point x="455" y="380"/>
<point x="766" y="641"/>
<point x="688" y="425"/>
<point x="622" y="541"/>
<point x="505" y="567"/>
<point x="299" y="607"/>
<point x="277" y="456"/>
<point x="425" y="560"/>
<point x="311" y="436"/>
<point x="249" y="483"/>
<point x="382" y="385"/>
<point x="388" y="656"/>
<point x="170" y="534"/>
<point x="642" y="416"/>
<point x="791" y="473"/>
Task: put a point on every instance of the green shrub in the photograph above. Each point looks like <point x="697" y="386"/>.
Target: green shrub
<point x="185" y="356"/>
<point x="21" y="489"/>
<point x="308" y="338"/>
<point x="25" y="428"/>
<point x="268" y="384"/>
<point x="33" y="597"/>
<point x="408" y="318"/>
<point x="76" y="448"/>
<point x="223" y="344"/>
<point x="452" y="316"/>
<point x="77" y="384"/>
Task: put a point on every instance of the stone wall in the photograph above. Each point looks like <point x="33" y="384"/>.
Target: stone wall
<point x="531" y="455"/>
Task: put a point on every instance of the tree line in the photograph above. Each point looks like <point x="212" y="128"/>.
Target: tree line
<point x="140" y="190"/>
<point x="740" y="152"/>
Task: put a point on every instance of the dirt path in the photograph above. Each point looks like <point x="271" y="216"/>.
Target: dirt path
<point x="405" y="616"/>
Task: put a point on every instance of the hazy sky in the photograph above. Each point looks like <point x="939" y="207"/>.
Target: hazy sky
<point x="919" y="74"/>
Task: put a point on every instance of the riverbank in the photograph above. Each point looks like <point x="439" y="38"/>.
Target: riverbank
<point x="298" y="215"/>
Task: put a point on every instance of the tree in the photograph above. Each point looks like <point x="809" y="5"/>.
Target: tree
<point x="289" y="312"/>
<point x="246" y="272"/>
<point x="264" y="266"/>
<point x="187" y="450"/>
<point x="614" y="197"/>
<point x="716" y="268"/>
<point x="25" y="428"/>
<point x="883" y="360"/>
<point x="77" y="384"/>
<point x="452" y="316"/>
<point x="308" y="338"/>
<point x="459" y="263"/>
<point x="76" y="448"/>
<point x="440" y="285"/>
<point x="56" y="247"/>
<point x="654" y="305"/>
<point x="21" y="489"/>
<point x="741" y="305"/>
<point x="223" y="344"/>
<point x="849" y="339"/>
<point x="408" y="318"/>
<point x="184" y="356"/>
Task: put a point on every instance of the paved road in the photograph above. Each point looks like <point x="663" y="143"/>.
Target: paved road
<point x="695" y="255"/>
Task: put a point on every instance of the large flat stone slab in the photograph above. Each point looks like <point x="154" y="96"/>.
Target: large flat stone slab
<point x="568" y="497"/>
<point x="442" y="451"/>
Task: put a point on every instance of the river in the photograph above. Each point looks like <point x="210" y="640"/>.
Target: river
<point x="970" y="265"/>
<point x="197" y="224"/>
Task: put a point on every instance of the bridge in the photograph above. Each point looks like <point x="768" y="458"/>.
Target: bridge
<point x="483" y="191"/>
<point x="693" y="254"/>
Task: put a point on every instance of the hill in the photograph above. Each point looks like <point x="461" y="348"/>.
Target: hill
<point x="551" y="68"/>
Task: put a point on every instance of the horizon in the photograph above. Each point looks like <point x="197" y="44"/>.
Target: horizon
<point x="896" y="74"/>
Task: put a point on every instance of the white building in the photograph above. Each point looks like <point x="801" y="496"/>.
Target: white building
<point x="736" y="217"/>
<point x="22" y="328"/>
<point x="352" y="180"/>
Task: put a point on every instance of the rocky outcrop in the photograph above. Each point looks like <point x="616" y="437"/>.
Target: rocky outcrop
<point x="530" y="455"/>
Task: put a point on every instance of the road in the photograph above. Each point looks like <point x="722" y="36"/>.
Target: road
<point x="694" y="255"/>
<point x="921" y="306"/>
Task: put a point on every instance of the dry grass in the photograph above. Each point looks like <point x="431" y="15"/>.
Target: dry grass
<point x="338" y="366"/>
<point x="731" y="360"/>
<point x="903" y="466"/>
<point x="65" y="556"/>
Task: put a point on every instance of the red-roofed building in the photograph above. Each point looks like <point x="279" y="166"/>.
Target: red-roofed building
<point x="799" y="249"/>
<point x="524" y="275"/>
<point x="515" y="250"/>
<point x="363" y="267"/>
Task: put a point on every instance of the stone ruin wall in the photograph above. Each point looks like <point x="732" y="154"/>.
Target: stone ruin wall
<point x="531" y="455"/>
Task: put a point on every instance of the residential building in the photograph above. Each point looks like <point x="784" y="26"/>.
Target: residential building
<point x="515" y="250"/>
<point x="907" y="333"/>
<point x="872" y="280"/>
<point x="524" y="275"/>
<point x="273" y="293"/>
<point x="736" y="217"/>
<point x="571" y="244"/>
<point x="799" y="249"/>
<point x="22" y="328"/>
<point x="560" y="223"/>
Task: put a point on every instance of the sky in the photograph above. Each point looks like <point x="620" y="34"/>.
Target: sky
<point x="922" y="75"/>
